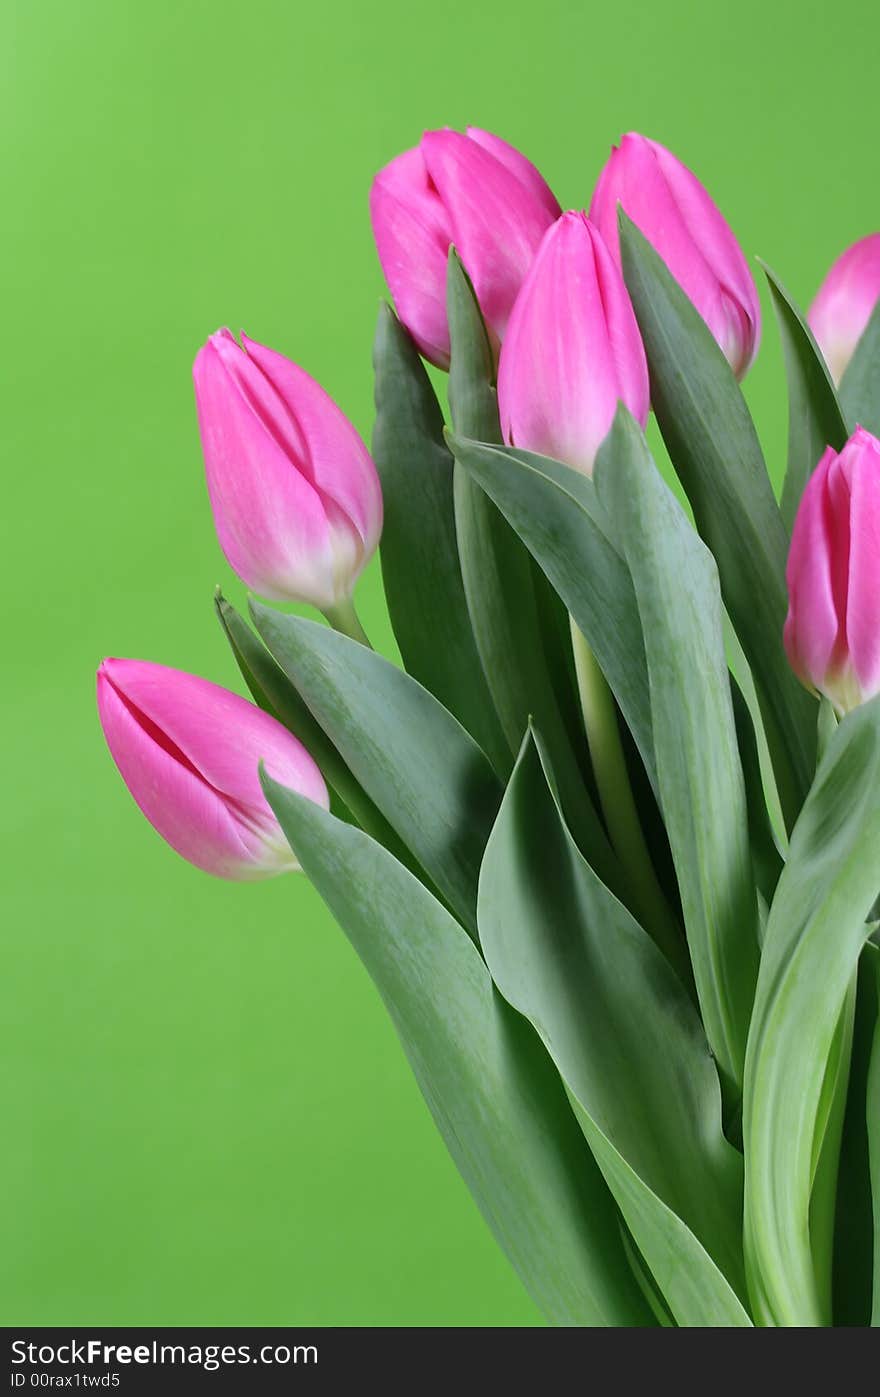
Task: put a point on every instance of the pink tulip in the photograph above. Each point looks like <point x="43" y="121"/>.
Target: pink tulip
<point x="676" y="215"/>
<point x="474" y="191"/>
<point x="188" y="751"/>
<point x="296" y="498"/>
<point x="844" y="302"/>
<point x="572" y="349"/>
<point x="832" y="632"/>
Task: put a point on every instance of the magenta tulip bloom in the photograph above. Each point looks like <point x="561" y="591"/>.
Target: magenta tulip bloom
<point x="474" y="191"/>
<point x="844" y="302"/>
<point x="188" y="751"/>
<point x="572" y="350"/>
<point x="832" y="633"/>
<point x="296" y="498"/>
<point x="676" y="215"/>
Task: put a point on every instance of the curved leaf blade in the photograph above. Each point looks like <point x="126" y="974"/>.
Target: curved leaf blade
<point x="860" y="385"/>
<point x="767" y="861"/>
<point x="815" y="419"/>
<point x="499" y="582"/>
<point x="853" y="1282"/>
<point x="415" y="761"/>
<point x="699" y="775"/>
<point x="419" y="552"/>
<point x="494" y="1096"/>
<point x="814" y="936"/>
<point x="274" y="693"/>
<point x="715" y="450"/>
<point x="557" y="514"/>
<point x="627" y="1042"/>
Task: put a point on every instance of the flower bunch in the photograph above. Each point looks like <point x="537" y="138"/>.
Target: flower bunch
<point x="608" y="841"/>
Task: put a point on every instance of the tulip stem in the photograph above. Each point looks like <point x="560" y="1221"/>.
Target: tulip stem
<point x="619" y="807"/>
<point x="344" y="618"/>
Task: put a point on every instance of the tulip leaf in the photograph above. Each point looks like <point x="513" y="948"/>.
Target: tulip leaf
<point x="426" y="774"/>
<point x="815" y="419"/>
<point x="712" y="441"/>
<point x="860" y="385"/>
<point x="558" y="516"/>
<point x="420" y="566"/>
<point x="493" y="1094"/>
<point x="274" y="693"/>
<point x="815" y="934"/>
<point x="767" y="861"/>
<point x="853" y="1220"/>
<point x="699" y="775"/>
<point x="627" y="1043"/>
<point x="827" y="1139"/>
<point x="498" y="578"/>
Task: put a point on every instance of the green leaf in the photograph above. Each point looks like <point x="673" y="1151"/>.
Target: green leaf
<point x="558" y="516"/>
<point x="420" y="567"/>
<point x="814" y="936"/>
<point x="415" y="761"/>
<point x="495" y="1098"/>
<point x="860" y="385"/>
<point x="827" y="1138"/>
<point x="715" y="450"/>
<point x="628" y="1045"/>
<point x="275" y="694"/>
<point x="498" y="580"/>
<point x="700" y="780"/>
<point x="473" y="400"/>
<point x="853" y="1221"/>
<point x="767" y="861"/>
<point x="815" y="419"/>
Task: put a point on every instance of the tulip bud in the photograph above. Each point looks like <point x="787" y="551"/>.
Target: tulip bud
<point x="844" y="302"/>
<point x="474" y="191"/>
<point x="676" y="215"/>
<point x="296" y="498"/>
<point x="188" y="751"/>
<point x="832" y="632"/>
<point x="572" y="349"/>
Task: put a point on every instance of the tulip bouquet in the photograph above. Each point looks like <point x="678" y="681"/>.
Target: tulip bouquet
<point x="608" y="843"/>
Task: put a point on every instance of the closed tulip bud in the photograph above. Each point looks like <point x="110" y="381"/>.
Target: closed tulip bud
<point x="832" y="632"/>
<point x="674" y="212"/>
<point x="844" y="302"/>
<point x="296" y="498"/>
<point x="188" y="751"/>
<point x="572" y="350"/>
<point x="474" y="191"/>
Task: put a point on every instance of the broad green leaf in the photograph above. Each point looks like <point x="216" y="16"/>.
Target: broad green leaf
<point x="860" y="385"/>
<point x="827" y="1137"/>
<point x="498" y="579"/>
<point x="420" y="567"/>
<point x="274" y="693"/>
<point x="628" y="1045"/>
<point x="699" y="775"/>
<point x="814" y="936"/>
<point x="415" y="761"/>
<point x="493" y="1094"/>
<point x="557" y="514"/>
<point x="815" y="419"/>
<point x="715" y="450"/>
<point x="853" y="1220"/>
<point x="767" y="861"/>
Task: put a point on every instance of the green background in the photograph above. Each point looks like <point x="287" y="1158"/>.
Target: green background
<point x="207" y="1116"/>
